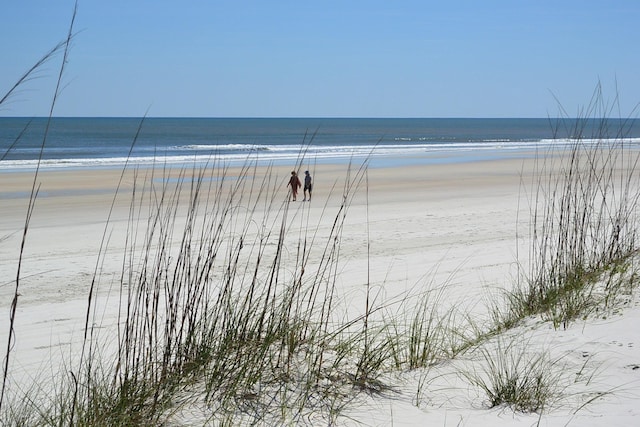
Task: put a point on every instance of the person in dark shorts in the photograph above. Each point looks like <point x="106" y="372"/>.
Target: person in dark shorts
<point x="294" y="182"/>
<point x="307" y="185"/>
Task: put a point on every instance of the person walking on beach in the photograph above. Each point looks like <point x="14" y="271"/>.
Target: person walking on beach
<point x="294" y="182"/>
<point x="307" y="186"/>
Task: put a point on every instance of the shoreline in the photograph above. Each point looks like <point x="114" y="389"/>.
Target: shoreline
<point x="12" y="177"/>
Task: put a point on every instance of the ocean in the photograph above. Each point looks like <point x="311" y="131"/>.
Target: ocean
<point x="112" y="142"/>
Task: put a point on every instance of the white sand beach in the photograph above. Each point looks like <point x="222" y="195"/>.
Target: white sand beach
<point x="462" y="227"/>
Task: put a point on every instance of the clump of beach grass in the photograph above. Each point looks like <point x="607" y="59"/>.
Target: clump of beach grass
<point x="212" y="296"/>
<point x="582" y="257"/>
<point x="516" y="374"/>
<point x="584" y="220"/>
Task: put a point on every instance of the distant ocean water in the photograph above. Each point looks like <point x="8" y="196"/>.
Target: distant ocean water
<point x="109" y="142"/>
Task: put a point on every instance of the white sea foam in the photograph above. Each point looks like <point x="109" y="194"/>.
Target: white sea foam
<point x="222" y="147"/>
<point x="240" y="153"/>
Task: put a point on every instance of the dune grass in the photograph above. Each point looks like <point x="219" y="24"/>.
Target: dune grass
<point x="584" y="221"/>
<point x="583" y="254"/>
<point x="63" y="48"/>
<point x="511" y="374"/>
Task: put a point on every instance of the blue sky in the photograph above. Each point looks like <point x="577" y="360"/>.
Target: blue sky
<point x="297" y="58"/>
